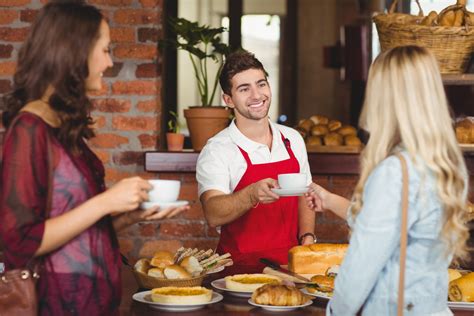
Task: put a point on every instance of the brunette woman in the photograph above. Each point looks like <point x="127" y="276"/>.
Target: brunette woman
<point x="48" y="121"/>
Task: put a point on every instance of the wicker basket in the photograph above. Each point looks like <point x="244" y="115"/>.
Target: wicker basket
<point x="148" y="282"/>
<point x="452" y="46"/>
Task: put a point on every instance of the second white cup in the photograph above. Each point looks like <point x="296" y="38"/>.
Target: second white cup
<point x="164" y="190"/>
<point x="292" y="180"/>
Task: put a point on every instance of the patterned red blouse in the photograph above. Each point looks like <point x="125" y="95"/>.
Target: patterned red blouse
<point x="83" y="276"/>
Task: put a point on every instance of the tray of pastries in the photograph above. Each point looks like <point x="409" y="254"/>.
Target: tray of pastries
<point x="325" y="135"/>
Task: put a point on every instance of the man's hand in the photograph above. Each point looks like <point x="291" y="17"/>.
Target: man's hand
<point x="261" y="192"/>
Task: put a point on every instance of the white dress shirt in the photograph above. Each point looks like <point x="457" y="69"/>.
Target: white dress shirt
<point x="220" y="165"/>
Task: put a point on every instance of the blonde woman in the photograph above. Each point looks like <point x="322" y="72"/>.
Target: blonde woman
<point x="405" y="111"/>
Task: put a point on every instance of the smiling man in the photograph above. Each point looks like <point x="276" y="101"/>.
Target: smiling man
<point x="238" y="168"/>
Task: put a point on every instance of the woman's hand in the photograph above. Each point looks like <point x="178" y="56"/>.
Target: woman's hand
<point x="317" y="198"/>
<point x="126" y="195"/>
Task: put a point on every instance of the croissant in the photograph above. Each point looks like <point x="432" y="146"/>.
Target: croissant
<point x="462" y="289"/>
<point x="279" y="295"/>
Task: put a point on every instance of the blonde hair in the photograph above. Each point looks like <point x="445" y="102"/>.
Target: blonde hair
<point x="405" y="104"/>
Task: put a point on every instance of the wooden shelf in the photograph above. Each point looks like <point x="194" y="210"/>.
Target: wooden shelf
<point x="461" y="79"/>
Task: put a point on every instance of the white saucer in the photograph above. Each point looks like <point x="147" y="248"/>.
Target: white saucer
<point x="163" y="205"/>
<point x="321" y="295"/>
<point x="291" y="192"/>
<point x="465" y="306"/>
<point x="220" y="285"/>
<point x="145" y="297"/>
<point x="273" y="308"/>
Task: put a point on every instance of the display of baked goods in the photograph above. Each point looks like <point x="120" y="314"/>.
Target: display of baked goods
<point x="316" y="258"/>
<point x="184" y="264"/>
<point x="249" y="282"/>
<point x="324" y="134"/>
<point x="464" y="128"/>
<point x="181" y="295"/>
<point x="462" y="289"/>
<point x="279" y="295"/>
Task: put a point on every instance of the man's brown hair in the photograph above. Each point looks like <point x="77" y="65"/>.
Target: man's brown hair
<point x="236" y="63"/>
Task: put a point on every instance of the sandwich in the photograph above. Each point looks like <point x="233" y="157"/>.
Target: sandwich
<point x="322" y="285"/>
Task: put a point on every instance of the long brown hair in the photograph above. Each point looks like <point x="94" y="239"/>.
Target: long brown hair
<point x="55" y="54"/>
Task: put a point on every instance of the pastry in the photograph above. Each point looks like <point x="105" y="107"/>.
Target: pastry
<point x="161" y="259"/>
<point x="319" y="130"/>
<point x="306" y="125"/>
<point x="176" y="272"/>
<point x="333" y="139"/>
<point x="333" y="125"/>
<point x="346" y="130"/>
<point x="314" y="141"/>
<point x="279" y="295"/>
<point x="352" y="140"/>
<point x="142" y="265"/>
<point x="462" y="289"/>
<point x="249" y="282"/>
<point x="319" y="119"/>
<point x="181" y="295"/>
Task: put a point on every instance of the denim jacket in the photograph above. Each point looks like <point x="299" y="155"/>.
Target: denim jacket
<point x="369" y="274"/>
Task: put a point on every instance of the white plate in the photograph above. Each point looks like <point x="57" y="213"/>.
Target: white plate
<point x="461" y="305"/>
<point x="291" y="192"/>
<point x="221" y="268"/>
<point x="318" y="295"/>
<point x="220" y="285"/>
<point x="163" y="205"/>
<point x="145" y="297"/>
<point x="272" y="308"/>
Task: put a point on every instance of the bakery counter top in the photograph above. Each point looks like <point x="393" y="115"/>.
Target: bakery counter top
<point x="228" y="306"/>
<point x="320" y="163"/>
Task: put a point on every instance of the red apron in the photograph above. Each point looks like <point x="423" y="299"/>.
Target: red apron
<point x="266" y="231"/>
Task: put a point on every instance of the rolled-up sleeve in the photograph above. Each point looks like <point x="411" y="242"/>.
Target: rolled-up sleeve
<point x="24" y="181"/>
<point x="375" y="236"/>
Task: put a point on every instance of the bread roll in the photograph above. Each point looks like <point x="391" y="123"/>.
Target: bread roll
<point x="454" y="274"/>
<point x="315" y="258"/>
<point x="462" y="289"/>
<point x="181" y="295"/>
<point x="306" y="125"/>
<point x="319" y="119"/>
<point x="463" y="135"/>
<point x="279" y="295"/>
<point x="314" y="141"/>
<point x="319" y="130"/>
<point x="352" y="140"/>
<point x="191" y="264"/>
<point x="333" y="125"/>
<point x="249" y="282"/>
<point x="333" y="139"/>
<point x="325" y="284"/>
<point x="156" y="272"/>
<point x="176" y="272"/>
<point x="161" y="259"/>
<point x="142" y="265"/>
<point x="346" y="130"/>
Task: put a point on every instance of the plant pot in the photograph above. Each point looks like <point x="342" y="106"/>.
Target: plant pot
<point x="175" y="141"/>
<point x="205" y="122"/>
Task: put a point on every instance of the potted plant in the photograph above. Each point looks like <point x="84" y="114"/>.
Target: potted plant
<point x="174" y="139"/>
<point x="203" y="45"/>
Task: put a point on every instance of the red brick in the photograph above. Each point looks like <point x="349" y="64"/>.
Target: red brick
<point x="147" y="229"/>
<point x="5" y="85"/>
<point x="136" y="16"/>
<point x="148" y="141"/>
<point x="7" y="68"/>
<point x="138" y="87"/>
<point x="103" y="155"/>
<point x="135" y="51"/>
<point x="10" y="34"/>
<point x="335" y="233"/>
<point x="182" y="229"/>
<point x="212" y="232"/>
<point x="137" y="123"/>
<point x="113" y="71"/>
<point x="28" y="15"/>
<point x="8" y="16"/>
<point x="189" y="191"/>
<point x="108" y="141"/>
<point x="6" y="51"/>
<point x="13" y="3"/>
<point x="147" y="71"/>
<point x="112" y="105"/>
<point x="195" y="212"/>
<point x="150" y="247"/>
<point x="99" y="121"/>
<point x="201" y="243"/>
<point x="117" y="3"/>
<point x="151" y="3"/>
<point x="129" y="158"/>
<point x="149" y="105"/>
<point x="148" y="34"/>
<point x="126" y="245"/>
<point x="102" y="92"/>
<point x="122" y="34"/>
<point x="113" y="175"/>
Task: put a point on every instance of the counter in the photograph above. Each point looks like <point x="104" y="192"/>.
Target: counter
<point x="228" y="306"/>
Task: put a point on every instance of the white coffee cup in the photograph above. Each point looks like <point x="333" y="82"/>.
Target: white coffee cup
<point x="292" y="180"/>
<point x="164" y="190"/>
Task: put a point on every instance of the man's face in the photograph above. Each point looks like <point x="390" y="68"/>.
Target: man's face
<point x="251" y="95"/>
